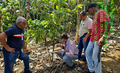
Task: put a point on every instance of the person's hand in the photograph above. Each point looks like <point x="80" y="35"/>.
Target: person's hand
<point x="12" y="50"/>
<point x="58" y="52"/>
<point x="84" y="39"/>
<point x="25" y="52"/>
<point x="101" y="41"/>
<point x="58" y="45"/>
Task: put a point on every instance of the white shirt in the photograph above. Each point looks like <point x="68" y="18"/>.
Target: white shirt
<point x="85" y="26"/>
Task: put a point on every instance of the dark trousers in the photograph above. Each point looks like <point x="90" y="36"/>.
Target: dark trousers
<point x="82" y="45"/>
<point x="9" y="60"/>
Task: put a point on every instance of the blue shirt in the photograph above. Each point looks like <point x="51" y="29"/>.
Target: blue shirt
<point x="15" y="37"/>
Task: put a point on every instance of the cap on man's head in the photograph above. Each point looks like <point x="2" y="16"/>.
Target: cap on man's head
<point x="90" y="6"/>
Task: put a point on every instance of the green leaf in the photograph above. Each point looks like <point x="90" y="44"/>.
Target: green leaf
<point x="2" y="6"/>
<point x="23" y="3"/>
<point x="80" y="6"/>
<point x="52" y="6"/>
<point x="41" y="17"/>
<point x="61" y="1"/>
<point x="27" y="39"/>
<point x="40" y="38"/>
<point x="10" y="1"/>
<point x="118" y="31"/>
<point x="69" y="23"/>
<point x="57" y="33"/>
<point x="68" y="14"/>
<point x="57" y="7"/>
<point x="36" y="39"/>
<point x="50" y="34"/>
<point x="108" y="50"/>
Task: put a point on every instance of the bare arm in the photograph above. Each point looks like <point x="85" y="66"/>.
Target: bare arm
<point x="24" y="48"/>
<point x="59" y="45"/>
<point x="107" y="31"/>
<point x="88" y="34"/>
<point x="108" y="28"/>
<point x="3" y="41"/>
<point x="102" y="40"/>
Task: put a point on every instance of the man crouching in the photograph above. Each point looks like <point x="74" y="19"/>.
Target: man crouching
<point x="70" y="53"/>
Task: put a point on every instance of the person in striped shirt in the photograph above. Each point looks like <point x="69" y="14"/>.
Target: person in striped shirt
<point x="98" y="38"/>
<point x="12" y="48"/>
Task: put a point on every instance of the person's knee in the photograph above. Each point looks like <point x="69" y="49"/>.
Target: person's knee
<point x="95" y="59"/>
<point x="95" y="56"/>
<point x="88" y="52"/>
<point x="65" y="58"/>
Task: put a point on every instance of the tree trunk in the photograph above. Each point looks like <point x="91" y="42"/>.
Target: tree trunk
<point x="119" y="22"/>
<point x="37" y="14"/>
<point x="84" y="7"/>
<point x="1" y="27"/>
<point x="27" y="10"/>
<point x="20" y="8"/>
<point x="78" y="23"/>
<point x="28" y="15"/>
<point x="118" y="19"/>
<point x="53" y="50"/>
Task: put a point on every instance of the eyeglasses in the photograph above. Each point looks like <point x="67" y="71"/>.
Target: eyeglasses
<point x="24" y="23"/>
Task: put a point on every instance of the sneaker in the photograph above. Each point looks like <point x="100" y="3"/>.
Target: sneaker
<point x="28" y="71"/>
<point x="87" y="71"/>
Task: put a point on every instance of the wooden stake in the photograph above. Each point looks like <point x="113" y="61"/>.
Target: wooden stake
<point x="78" y="23"/>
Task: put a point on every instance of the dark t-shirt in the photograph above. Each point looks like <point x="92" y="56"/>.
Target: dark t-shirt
<point x="15" y="37"/>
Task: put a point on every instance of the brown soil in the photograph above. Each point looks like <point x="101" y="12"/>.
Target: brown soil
<point x="111" y="63"/>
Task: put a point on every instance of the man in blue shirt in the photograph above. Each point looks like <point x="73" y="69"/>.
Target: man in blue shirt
<point x="12" y="48"/>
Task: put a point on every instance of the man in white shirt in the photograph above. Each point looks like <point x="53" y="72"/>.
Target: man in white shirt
<point x="84" y="33"/>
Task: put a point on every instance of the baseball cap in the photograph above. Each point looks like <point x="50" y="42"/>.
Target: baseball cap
<point x="90" y="6"/>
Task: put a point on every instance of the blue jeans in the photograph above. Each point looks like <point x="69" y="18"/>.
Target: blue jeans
<point x="92" y="58"/>
<point x="68" y="60"/>
<point x="9" y="60"/>
<point x="82" y="45"/>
